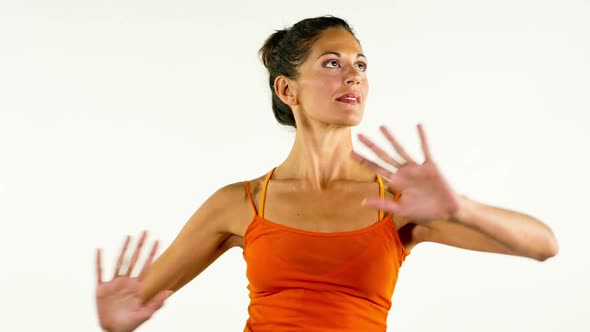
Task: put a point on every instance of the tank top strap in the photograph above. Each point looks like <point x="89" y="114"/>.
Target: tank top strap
<point x="263" y="193"/>
<point x="396" y="196"/>
<point x="381" y="194"/>
<point x="247" y="186"/>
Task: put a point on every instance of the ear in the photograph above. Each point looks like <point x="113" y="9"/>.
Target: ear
<point x="286" y="89"/>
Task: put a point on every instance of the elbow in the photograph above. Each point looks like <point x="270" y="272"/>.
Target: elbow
<point x="552" y="251"/>
<point x="550" y="248"/>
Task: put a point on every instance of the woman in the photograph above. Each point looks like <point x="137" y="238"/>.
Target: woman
<point x="323" y="234"/>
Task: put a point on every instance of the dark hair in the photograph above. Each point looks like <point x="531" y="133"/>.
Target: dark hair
<point x="285" y="50"/>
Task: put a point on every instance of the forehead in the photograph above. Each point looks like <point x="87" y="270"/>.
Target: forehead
<point x="336" y="39"/>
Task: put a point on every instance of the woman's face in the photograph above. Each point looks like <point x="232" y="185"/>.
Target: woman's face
<point x="332" y="85"/>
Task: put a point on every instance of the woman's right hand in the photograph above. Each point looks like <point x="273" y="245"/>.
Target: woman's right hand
<point x="119" y="305"/>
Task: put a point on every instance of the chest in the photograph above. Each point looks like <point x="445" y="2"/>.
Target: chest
<point x="329" y="211"/>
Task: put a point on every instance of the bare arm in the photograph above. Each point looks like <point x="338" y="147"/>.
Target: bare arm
<point x="124" y="302"/>
<point x="432" y="211"/>
<point x="481" y="227"/>
<point x="204" y="238"/>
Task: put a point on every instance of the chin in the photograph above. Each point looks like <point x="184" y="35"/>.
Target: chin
<point x="349" y="121"/>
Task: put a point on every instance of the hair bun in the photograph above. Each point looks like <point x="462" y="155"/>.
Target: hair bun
<point x="269" y="49"/>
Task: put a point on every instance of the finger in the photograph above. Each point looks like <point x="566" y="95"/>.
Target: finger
<point x="424" y="141"/>
<point x="98" y="267"/>
<point x="149" y="260"/>
<point x="121" y="257"/>
<point x="136" y="253"/>
<point x="381" y="204"/>
<point x="398" y="148"/>
<point x="372" y="166"/>
<point x="378" y="151"/>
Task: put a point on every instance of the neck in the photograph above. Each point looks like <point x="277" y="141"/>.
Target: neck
<point x="322" y="156"/>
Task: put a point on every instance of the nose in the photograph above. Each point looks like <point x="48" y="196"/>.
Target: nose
<point x="353" y="76"/>
<point x="354" y="81"/>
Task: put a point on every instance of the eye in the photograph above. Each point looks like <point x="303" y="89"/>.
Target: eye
<point x="361" y="66"/>
<point x="331" y="64"/>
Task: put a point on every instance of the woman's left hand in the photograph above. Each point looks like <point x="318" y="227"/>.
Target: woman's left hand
<point x="425" y="194"/>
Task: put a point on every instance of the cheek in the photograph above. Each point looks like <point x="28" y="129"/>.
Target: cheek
<point x="321" y="90"/>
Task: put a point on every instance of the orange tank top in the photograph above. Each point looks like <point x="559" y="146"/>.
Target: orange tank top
<point x="315" y="281"/>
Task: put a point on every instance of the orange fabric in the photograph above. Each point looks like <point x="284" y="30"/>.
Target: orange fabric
<point x="313" y="281"/>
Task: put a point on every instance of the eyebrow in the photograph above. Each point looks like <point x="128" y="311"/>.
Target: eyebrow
<point x="339" y="55"/>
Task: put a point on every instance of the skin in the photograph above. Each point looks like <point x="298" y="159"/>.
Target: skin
<point x="323" y="186"/>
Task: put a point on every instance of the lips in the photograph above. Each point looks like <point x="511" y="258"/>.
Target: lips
<point x="351" y="98"/>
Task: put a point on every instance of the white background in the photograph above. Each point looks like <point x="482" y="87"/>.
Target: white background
<point x="118" y="116"/>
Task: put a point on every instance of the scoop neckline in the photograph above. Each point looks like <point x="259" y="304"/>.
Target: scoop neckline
<point x="314" y="233"/>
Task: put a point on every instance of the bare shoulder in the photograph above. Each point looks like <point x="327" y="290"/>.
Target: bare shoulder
<point x="215" y="227"/>
<point x="231" y="206"/>
<point x="232" y="203"/>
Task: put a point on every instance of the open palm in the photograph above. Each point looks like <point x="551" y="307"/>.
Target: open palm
<point x="425" y="194"/>
<point x="118" y="302"/>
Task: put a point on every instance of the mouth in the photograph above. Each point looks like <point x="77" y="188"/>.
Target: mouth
<point x="350" y="98"/>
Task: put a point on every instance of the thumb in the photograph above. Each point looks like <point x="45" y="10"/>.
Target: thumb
<point x="158" y="301"/>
